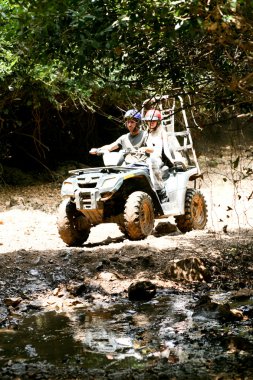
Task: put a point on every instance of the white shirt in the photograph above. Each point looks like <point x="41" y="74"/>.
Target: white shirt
<point x="155" y="141"/>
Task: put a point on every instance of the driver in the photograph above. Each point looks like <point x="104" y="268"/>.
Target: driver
<point x="132" y="140"/>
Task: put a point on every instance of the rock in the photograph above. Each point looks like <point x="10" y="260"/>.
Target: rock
<point x="146" y="261"/>
<point x="238" y="314"/>
<point x="76" y="288"/>
<point x="16" y="202"/>
<point x="165" y="228"/>
<point x="34" y="272"/>
<point x="189" y="269"/>
<point x="206" y="308"/>
<point x="141" y="291"/>
<point x="107" y="276"/>
<point x="100" y="266"/>
<point x="13" y="301"/>
<point x="242" y="294"/>
<point x="248" y="311"/>
<point x="235" y="344"/>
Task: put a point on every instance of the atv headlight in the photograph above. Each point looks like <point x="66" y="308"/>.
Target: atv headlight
<point x="67" y="189"/>
<point x="109" y="183"/>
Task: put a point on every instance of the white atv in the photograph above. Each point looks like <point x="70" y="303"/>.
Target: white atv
<point x="125" y="194"/>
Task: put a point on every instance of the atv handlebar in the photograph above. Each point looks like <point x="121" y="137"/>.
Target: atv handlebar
<point x="100" y="151"/>
<point x="117" y="157"/>
<point x="138" y="152"/>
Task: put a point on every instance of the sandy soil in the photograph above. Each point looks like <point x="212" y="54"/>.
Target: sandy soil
<point x="28" y="214"/>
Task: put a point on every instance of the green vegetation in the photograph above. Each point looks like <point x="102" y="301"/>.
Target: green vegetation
<point x="68" y="65"/>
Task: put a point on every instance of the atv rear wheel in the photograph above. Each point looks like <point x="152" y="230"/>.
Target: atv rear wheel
<point x="195" y="217"/>
<point x="73" y="226"/>
<point x="138" y="216"/>
<point x="122" y="228"/>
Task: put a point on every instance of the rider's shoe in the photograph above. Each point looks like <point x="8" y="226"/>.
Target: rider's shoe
<point x="162" y="195"/>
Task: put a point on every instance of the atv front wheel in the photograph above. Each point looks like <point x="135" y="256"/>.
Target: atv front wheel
<point x="73" y="226"/>
<point x="195" y="217"/>
<point x="138" y="216"/>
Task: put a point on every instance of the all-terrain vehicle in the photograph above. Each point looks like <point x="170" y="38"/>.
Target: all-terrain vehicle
<point x="125" y="195"/>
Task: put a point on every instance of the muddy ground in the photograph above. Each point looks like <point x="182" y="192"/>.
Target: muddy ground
<point x="37" y="270"/>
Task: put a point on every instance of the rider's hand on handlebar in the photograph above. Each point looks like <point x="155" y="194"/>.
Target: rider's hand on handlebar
<point x="94" y="151"/>
<point x="143" y="149"/>
<point x="99" y="151"/>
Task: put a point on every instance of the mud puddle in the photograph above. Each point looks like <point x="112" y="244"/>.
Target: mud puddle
<point x="117" y="332"/>
<point x="129" y="335"/>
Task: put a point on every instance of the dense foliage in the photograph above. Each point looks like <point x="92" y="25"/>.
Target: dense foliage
<point x="65" y="62"/>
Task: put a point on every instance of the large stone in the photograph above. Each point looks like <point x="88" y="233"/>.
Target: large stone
<point x="189" y="269"/>
<point x="163" y="228"/>
<point x="141" y="291"/>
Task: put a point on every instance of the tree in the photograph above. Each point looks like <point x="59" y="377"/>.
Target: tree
<point x="87" y="55"/>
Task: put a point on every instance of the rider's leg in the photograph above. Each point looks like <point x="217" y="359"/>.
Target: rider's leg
<point x="155" y="164"/>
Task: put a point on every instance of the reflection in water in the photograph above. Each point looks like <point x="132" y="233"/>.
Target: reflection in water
<point x="117" y="332"/>
<point x="131" y="332"/>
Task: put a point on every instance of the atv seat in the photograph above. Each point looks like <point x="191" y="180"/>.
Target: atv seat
<point x="172" y="149"/>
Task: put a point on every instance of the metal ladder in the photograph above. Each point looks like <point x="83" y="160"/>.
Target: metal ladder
<point x="172" y="108"/>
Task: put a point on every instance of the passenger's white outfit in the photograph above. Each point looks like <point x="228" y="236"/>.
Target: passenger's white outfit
<point x="154" y="161"/>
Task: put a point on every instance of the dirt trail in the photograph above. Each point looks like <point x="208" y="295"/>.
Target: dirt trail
<point x="40" y="271"/>
<point x="28" y="227"/>
<point x="28" y="214"/>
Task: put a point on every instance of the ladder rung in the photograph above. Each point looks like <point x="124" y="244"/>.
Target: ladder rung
<point x="184" y="134"/>
<point x="186" y="147"/>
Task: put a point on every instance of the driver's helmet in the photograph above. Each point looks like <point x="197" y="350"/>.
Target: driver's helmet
<point x="153" y="115"/>
<point x="133" y="114"/>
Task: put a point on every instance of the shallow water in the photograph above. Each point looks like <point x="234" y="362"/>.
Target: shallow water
<point x="124" y="334"/>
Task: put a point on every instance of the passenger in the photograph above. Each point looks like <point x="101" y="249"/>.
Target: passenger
<point x="154" y="148"/>
<point x="130" y="141"/>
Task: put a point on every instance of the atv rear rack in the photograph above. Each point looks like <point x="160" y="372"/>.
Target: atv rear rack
<point x="176" y="126"/>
